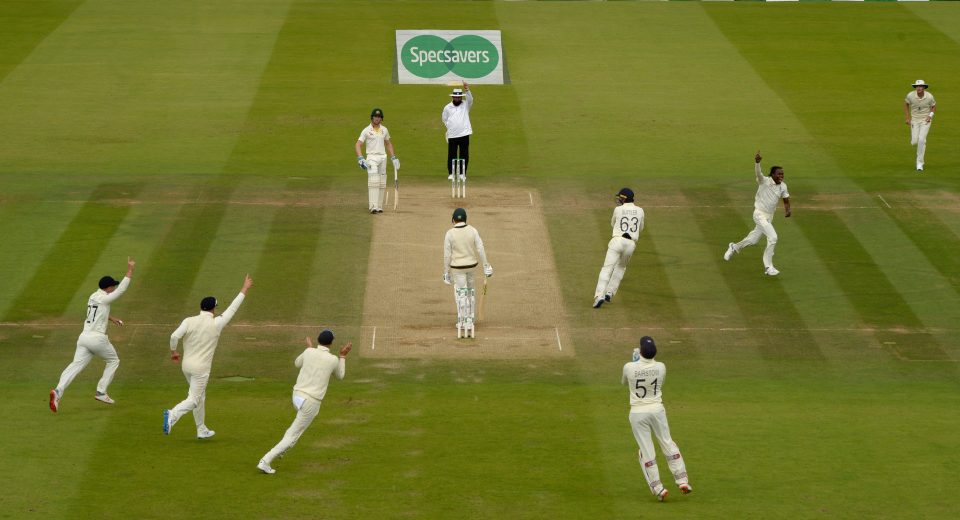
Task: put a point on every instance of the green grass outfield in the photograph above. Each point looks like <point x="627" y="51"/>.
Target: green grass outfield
<point x="211" y="139"/>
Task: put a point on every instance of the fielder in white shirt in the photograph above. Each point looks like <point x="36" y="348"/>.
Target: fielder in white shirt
<point x="456" y="118"/>
<point x="316" y="366"/>
<point x="376" y="138"/>
<point x="644" y="379"/>
<point x="627" y="223"/>
<point x="93" y="341"/>
<point x="462" y="252"/>
<point x="769" y="192"/>
<point x="919" y="108"/>
<point x="200" y="335"/>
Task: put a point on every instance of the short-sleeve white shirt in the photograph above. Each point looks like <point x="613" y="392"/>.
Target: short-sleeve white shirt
<point x="769" y="194"/>
<point x="373" y="139"/>
<point x="920" y="108"/>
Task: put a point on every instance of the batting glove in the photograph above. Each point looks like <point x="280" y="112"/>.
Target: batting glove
<point x="488" y="270"/>
<point x="362" y="163"/>
<point x="446" y="278"/>
<point x="636" y="354"/>
<point x="396" y="162"/>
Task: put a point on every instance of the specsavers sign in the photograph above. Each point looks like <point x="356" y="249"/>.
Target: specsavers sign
<point x="437" y="56"/>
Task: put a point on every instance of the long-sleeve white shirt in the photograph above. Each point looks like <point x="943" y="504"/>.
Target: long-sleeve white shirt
<point x="769" y="192"/>
<point x="316" y="366"/>
<point x="98" y="308"/>
<point x="463" y="248"/>
<point x="644" y="380"/>
<point x="627" y="218"/>
<point x="457" y="117"/>
<point x="200" y="334"/>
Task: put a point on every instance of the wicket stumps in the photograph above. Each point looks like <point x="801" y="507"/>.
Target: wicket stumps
<point x="458" y="184"/>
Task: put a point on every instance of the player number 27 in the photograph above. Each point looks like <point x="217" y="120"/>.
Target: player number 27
<point x="641" y="386"/>
<point x="91" y="313"/>
<point x="631" y="224"/>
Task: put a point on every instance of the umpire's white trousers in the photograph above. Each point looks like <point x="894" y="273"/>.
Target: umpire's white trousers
<point x="918" y="138"/>
<point x="196" y="398"/>
<point x="91" y="344"/>
<point x="654" y="418"/>
<point x="376" y="180"/>
<point x="619" y="252"/>
<point x="307" y="409"/>
<point x="764" y="226"/>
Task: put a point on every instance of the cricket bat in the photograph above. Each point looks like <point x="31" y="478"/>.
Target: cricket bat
<point x="396" y="188"/>
<point x="483" y="298"/>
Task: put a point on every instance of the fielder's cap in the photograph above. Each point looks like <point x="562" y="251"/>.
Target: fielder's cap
<point x="108" y="281"/>
<point x="376" y="112"/>
<point x="457" y="92"/>
<point x="325" y="338"/>
<point x="920" y="83"/>
<point x="625" y="195"/>
<point x="648" y="349"/>
<point x="459" y="215"/>
<point x="208" y="304"/>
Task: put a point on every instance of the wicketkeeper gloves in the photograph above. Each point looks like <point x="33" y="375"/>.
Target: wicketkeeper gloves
<point x="362" y="163"/>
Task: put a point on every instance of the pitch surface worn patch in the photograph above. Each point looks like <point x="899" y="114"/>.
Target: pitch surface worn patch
<point x="409" y="312"/>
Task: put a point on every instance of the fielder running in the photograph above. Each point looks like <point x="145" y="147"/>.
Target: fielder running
<point x="771" y="189"/>
<point x="376" y="138"/>
<point x="644" y="378"/>
<point x="316" y="366"/>
<point x="919" y="108"/>
<point x="200" y="335"/>
<point x="93" y="341"/>
<point x="456" y="117"/>
<point x="627" y="224"/>
<point x="462" y="252"/>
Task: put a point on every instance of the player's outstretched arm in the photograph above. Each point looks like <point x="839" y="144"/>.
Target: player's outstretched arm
<point x="786" y="207"/>
<point x="757" y="170"/>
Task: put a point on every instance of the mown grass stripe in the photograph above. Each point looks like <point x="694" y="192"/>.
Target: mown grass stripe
<point x="25" y="25"/>
<point x="938" y="243"/>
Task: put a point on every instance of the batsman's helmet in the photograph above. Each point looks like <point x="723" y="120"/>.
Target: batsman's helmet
<point x="625" y="195"/>
<point x="376" y="112"/>
<point x="648" y="349"/>
<point x="459" y="215"/>
<point x="208" y="304"/>
<point x="325" y="338"/>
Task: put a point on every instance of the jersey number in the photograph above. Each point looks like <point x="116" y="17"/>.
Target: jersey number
<point x="644" y="388"/>
<point x="629" y="224"/>
<point x="91" y="313"/>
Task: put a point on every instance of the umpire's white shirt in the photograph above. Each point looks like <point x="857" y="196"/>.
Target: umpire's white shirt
<point x="316" y="366"/>
<point x="98" y="308"/>
<point x="462" y="247"/>
<point x="644" y="380"/>
<point x="769" y="192"/>
<point x="627" y="218"/>
<point x="457" y="118"/>
<point x="373" y="139"/>
<point x="200" y="334"/>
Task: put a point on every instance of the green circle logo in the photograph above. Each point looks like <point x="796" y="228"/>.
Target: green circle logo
<point x="468" y="56"/>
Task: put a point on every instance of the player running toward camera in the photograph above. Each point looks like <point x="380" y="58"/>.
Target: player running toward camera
<point x="200" y="334"/>
<point x="627" y="224"/>
<point x="93" y="341"/>
<point x="644" y="379"/>
<point x="316" y="366"/>
<point x="462" y="252"/>
<point x="376" y="138"/>
<point x="771" y="189"/>
<point x="919" y="108"/>
<point x="456" y="117"/>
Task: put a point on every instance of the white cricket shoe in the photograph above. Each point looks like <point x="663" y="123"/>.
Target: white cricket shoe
<point x="919" y="167"/>
<point x="598" y="302"/>
<point x="264" y="467"/>
<point x="686" y="489"/>
<point x="662" y="495"/>
<point x="54" y="400"/>
<point x="771" y="271"/>
<point x="103" y="398"/>
<point x="205" y="433"/>
<point x="730" y="251"/>
<point x="607" y="297"/>
<point x="450" y="177"/>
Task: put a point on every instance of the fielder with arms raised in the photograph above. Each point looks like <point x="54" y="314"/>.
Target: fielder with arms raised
<point x="627" y="224"/>
<point x="316" y="366"/>
<point x="462" y="252"/>
<point x="644" y="379"/>
<point x="376" y="138"/>
<point x="200" y="334"/>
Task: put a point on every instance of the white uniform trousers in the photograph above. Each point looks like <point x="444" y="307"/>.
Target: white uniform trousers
<point x="91" y="344"/>
<point x="307" y="409"/>
<point x="656" y="420"/>
<point x="764" y="226"/>
<point x="918" y="138"/>
<point x="196" y="399"/>
<point x="619" y="252"/>
<point x="376" y="180"/>
<point x="466" y="305"/>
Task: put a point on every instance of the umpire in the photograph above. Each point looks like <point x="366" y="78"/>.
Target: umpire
<point x="456" y="117"/>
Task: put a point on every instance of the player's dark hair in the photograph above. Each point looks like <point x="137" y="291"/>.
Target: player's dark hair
<point x="773" y="169"/>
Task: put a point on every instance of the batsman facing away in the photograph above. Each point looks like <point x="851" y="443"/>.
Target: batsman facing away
<point x="462" y="252"/>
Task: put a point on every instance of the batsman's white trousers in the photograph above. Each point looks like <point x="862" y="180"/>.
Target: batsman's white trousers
<point x="196" y="398"/>
<point x="376" y="180"/>
<point x="619" y="252"/>
<point x="91" y="344"/>
<point x="463" y="278"/>
<point x="764" y="226"/>
<point x="654" y="418"/>
<point x="918" y="138"/>
<point x="307" y="409"/>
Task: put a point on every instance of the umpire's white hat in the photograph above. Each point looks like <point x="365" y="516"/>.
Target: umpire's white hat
<point x="920" y="83"/>
<point x="457" y="92"/>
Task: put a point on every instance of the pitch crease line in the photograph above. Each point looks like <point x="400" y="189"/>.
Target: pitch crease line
<point x="373" y="344"/>
<point x="559" y="345"/>
<point x="884" y="201"/>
